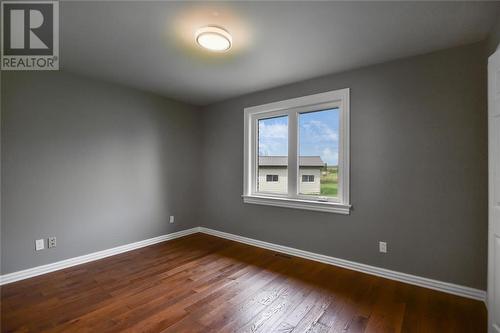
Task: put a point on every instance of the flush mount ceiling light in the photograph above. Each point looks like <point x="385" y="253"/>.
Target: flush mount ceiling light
<point x="214" y="39"/>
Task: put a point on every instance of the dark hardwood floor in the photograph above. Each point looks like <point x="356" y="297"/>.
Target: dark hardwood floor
<point x="201" y="283"/>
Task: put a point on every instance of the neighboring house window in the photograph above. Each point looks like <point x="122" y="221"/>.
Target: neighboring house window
<point x="271" y="178"/>
<point x="303" y="142"/>
<point x="307" y="178"/>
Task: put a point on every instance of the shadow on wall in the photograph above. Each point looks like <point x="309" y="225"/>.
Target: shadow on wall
<point x="94" y="164"/>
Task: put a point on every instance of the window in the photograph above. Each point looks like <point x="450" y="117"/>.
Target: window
<point x="271" y="178"/>
<point x="297" y="153"/>
<point x="307" y="178"/>
<point x="319" y="152"/>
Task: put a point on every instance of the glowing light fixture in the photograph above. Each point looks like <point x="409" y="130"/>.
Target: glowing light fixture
<point x="214" y="39"/>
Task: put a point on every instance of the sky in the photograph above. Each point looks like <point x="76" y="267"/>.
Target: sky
<point x="318" y="135"/>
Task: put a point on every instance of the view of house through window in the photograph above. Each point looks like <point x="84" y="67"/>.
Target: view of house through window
<point x="318" y="135"/>
<point x="319" y="152"/>
<point x="273" y="155"/>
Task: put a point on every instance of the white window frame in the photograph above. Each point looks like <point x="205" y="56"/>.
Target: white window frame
<point x="293" y="108"/>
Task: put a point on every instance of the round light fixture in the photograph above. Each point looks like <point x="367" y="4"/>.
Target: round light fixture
<point x="214" y="39"/>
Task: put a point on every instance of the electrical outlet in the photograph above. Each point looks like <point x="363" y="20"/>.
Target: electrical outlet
<point x="39" y="244"/>
<point x="52" y="242"/>
<point x="172" y="219"/>
<point x="382" y="247"/>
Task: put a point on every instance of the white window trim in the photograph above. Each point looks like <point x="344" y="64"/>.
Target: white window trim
<point x="292" y="108"/>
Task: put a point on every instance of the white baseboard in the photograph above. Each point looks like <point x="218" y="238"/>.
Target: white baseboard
<point x="382" y="272"/>
<point x="446" y="287"/>
<point x="39" y="270"/>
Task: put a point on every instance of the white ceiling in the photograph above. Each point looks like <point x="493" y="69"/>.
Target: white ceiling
<point x="150" y="45"/>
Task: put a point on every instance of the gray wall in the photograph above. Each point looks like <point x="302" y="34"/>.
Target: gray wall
<point x="494" y="38"/>
<point x="99" y="165"/>
<point x="94" y="164"/>
<point x="418" y="169"/>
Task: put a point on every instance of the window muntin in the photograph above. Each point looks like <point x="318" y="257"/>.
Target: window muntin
<point x="293" y="109"/>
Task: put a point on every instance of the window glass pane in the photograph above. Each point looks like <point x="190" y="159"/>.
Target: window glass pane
<point x="307" y="178"/>
<point x="319" y="153"/>
<point x="272" y="178"/>
<point x="273" y="155"/>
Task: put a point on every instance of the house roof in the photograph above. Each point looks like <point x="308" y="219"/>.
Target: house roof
<point x="312" y="161"/>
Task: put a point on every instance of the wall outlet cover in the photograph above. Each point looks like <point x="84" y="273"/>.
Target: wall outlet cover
<point x="39" y="244"/>
<point x="382" y="247"/>
<point x="52" y="242"/>
<point x="172" y="219"/>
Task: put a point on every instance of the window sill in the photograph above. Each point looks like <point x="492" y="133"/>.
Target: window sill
<point x="330" y="207"/>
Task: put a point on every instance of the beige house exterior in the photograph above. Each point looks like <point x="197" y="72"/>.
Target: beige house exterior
<point x="273" y="174"/>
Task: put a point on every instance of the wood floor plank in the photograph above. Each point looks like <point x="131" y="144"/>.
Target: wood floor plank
<point x="202" y="283"/>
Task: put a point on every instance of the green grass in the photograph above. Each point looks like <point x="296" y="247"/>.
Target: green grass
<point x="329" y="181"/>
